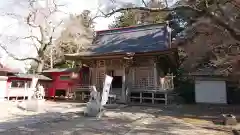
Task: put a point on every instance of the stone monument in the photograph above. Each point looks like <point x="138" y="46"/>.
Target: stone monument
<point x="228" y="119"/>
<point x="95" y="104"/>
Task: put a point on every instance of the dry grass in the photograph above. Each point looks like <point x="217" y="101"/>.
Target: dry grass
<point x="196" y="121"/>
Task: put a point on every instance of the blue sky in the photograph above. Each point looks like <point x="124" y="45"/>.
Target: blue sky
<point x="15" y="28"/>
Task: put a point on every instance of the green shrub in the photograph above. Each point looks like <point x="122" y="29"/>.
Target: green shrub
<point x="233" y="94"/>
<point x="184" y="87"/>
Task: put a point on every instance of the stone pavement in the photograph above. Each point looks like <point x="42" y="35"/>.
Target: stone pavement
<point x="113" y="122"/>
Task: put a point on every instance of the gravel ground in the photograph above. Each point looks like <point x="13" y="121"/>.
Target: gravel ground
<point x="124" y="121"/>
<point x="13" y="116"/>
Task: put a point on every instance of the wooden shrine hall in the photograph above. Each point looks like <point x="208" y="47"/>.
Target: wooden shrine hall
<point x="140" y="59"/>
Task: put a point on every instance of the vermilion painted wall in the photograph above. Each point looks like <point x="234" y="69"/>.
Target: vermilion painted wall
<point x="59" y="84"/>
<point x="56" y="82"/>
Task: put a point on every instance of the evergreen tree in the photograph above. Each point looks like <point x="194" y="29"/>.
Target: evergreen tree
<point x="131" y="17"/>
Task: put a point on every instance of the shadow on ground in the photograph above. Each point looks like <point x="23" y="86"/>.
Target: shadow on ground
<point x="204" y="116"/>
<point x="204" y="112"/>
<point x="106" y="125"/>
<point x="119" y="121"/>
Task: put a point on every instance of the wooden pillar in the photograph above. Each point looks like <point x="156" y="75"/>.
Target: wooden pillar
<point x="54" y="98"/>
<point x="123" y="93"/>
<point x="94" y="73"/>
<point x="133" y="76"/>
<point x="91" y="76"/>
<point x="125" y="86"/>
<point x="166" y="98"/>
<point x="128" y="61"/>
<point x="155" y="75"/>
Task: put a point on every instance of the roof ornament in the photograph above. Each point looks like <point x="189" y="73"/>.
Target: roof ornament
<point x="129" y="55"/>
<point x="128" y="59"/>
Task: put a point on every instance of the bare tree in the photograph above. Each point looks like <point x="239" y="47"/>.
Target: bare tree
<point x="76" y="36"/>
<point x="212" y="39"/>
<point x="207" y="46"/>
<point x="77" y="33"/>
<point x="216" y="10"/>
<point x="39" y="20"/>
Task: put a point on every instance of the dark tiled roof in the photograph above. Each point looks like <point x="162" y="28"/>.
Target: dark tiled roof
<point x="29" y="76"/>
<point x="145" y="38"/>
<point x="207" y="72"/>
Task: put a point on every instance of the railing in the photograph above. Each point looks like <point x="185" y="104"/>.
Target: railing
<point x="80" y="92"/>
<point x="80" y="87"/>
<point x="16" y="92"/>
<point x="164" y="84"/>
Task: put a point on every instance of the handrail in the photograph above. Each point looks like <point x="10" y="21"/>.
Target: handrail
<point x="165" y="84"/>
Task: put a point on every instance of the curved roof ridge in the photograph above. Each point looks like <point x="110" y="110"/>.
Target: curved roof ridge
<point x="131" y="27"/>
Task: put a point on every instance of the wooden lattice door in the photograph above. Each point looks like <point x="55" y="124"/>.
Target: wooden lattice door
<point x="100" y="74"/>
<point x="144" y="77"/>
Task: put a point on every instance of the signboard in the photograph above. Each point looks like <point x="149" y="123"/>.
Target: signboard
<point x="106" y="89"/>
<point x="94" y="88"/>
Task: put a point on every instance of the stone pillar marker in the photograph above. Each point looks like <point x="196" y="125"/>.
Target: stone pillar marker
<point x="96" y="103"/>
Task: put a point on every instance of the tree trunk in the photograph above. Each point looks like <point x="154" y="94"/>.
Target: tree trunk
<point x="40" y="66"/>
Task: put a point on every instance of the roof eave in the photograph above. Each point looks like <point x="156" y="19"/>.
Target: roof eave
<point x="116" y="55"/>
<point x="41" y="79"/>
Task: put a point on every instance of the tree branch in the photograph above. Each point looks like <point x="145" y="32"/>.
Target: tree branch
<point x="30" y="15"/>
<point x="154" y="9"/>
<point x="12" y="15"/>
<point x="56" y="7"/>
<point x="236" y="4"/>
<point x="234" y="33"/>
<point x="44" y="44"/>
<point x="42" y="40"/>
<point x="33" y="37"/>
<point x="39" y="41"/>
<point x="166" y="3"/>
<point x="144" y="3"/>
<point x="20" y="59"/>
<point x="59" y="63"/>
<point x="217" y="3"/>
